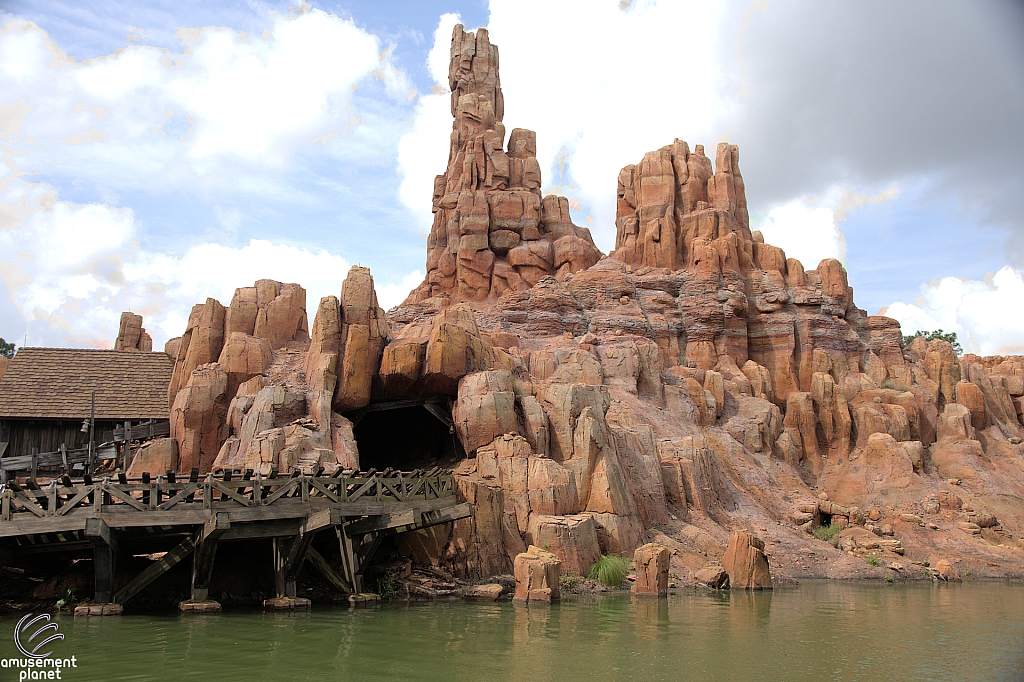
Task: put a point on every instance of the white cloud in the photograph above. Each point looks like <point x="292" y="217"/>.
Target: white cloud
<point x="423" y="152"/>
<point x="987" y="315"/>
<point x="142" y="113"/>
<point x="805" y="230"/>
<point x="72" y="269"/>
<point x="808" y="228"/>
<point x="390" y="295"/>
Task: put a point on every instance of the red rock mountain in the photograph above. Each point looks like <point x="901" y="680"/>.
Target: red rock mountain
<point x="691" y="383"/>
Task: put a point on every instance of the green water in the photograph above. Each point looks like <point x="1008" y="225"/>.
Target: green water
<point x="818" y="631"/>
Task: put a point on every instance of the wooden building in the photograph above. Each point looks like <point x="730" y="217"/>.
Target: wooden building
<point x="46" y="393"/>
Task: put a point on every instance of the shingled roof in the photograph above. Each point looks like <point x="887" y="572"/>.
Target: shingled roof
<point x="56" y="383"/>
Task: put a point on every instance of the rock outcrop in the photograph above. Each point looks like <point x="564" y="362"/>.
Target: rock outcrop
<point x="537" y="575"/>
<point x="746" y="563"/>
<point x="493" y="230"/>
<point x="651" y="562"/>
<point x="694" y="381"/>
<point x="131" y="335"/>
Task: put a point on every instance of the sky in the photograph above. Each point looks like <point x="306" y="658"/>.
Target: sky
<point x="156" y="153"/>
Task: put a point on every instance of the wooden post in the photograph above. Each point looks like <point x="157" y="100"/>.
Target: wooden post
<point x="205" y="553"/>
<point x="127" y="444"/>
<point x="64" y="457"/>
<point x="104" y="558"/>
<point x="35" y="462"/>
<point x="278" y="547"/>
<point x="92" y="434"/>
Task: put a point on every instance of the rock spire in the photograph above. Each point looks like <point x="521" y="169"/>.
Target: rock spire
<point x="493" y="230"/>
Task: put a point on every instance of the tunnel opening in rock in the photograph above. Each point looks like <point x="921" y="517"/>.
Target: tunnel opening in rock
<point x="406" y="435"/>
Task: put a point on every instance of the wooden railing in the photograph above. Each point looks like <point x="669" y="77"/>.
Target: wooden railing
<point x="65" y="497"/>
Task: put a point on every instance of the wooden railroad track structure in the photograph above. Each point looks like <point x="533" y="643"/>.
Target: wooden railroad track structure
<point x="361" y="508"/>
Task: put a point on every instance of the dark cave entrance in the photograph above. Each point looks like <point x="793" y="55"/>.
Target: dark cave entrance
<point x="406" y="435"/>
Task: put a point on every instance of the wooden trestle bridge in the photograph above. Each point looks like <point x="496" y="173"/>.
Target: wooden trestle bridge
<point x="197" y="513"/>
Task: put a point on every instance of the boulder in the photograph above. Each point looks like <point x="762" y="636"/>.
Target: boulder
<point x="200" y="344"/>
<point x="537" y="574"/>
<point x="485" y="408"/>
<point x="573" y="539"/>
<point x="746" y="563"/>
<point x="156" y="457"/>
<point x="714" y="577"/>
<point x="651" y="562"/>
<point x="242" y="358"/>
<point x="198" y="418"/>
<point x="488" y="592"/>
<point x="947" y="571"/>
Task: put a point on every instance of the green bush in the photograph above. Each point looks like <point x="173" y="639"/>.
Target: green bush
<point x="570" y="581"/>
<point x="932" y="335"/>
<point x="609" y="570"/>
<point x="873" y="561"/>
<point x="386" y="587"/>
<point x="826" y="533"/>
<point x="888" y="579"/>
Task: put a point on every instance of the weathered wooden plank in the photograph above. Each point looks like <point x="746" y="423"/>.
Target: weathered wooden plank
<point x="325" y="518"/>
<point x="168" y="561"/>
<point x="262" y="529"/>
<point x="403" y="517"/>
<point x="187" y="490"/>
<point x="317" y="562"/>
<point x="125" y="497"/>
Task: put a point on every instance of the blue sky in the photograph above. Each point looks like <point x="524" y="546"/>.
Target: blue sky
<point x="189" y="148"/>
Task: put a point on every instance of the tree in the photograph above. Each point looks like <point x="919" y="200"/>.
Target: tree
<point x="6" y="349"/>
<point x="932" y="335"/>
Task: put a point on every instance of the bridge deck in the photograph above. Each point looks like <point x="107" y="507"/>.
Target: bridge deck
<point x="66" y="515"/>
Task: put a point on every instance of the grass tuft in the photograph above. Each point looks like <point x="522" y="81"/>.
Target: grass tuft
<point x="873" y="561"/>
<point x="826" y="533"/>
<point x="609" y="570"/>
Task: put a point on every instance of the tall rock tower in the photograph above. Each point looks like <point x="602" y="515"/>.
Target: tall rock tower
<point x="493" y="231"/>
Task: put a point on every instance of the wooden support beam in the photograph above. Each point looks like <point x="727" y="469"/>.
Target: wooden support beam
<point x="104" y="559"/>
<point x="290" y="553"/>
<point x="365" y="552"/>
<point x="349" y="564"/>
<point x="166" y="563"/>
<point x="446" y="515"/>
<point x="267" y="529"/>
<point x="206" y="552"/>
<point x="403" y="517"/>
<point x="320" y="564"/>
<point x="325" y="518"/>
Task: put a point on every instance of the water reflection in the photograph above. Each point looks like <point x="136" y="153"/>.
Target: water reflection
<point x="819" y="631"/>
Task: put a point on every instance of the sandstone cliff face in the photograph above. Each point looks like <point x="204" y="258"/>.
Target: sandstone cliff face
<point x="694" y="382"/>
<point x="252" y="389"/>
<point x="493" y="231"/>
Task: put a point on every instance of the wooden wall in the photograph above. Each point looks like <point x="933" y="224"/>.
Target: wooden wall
<point x="47" y="435"/>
